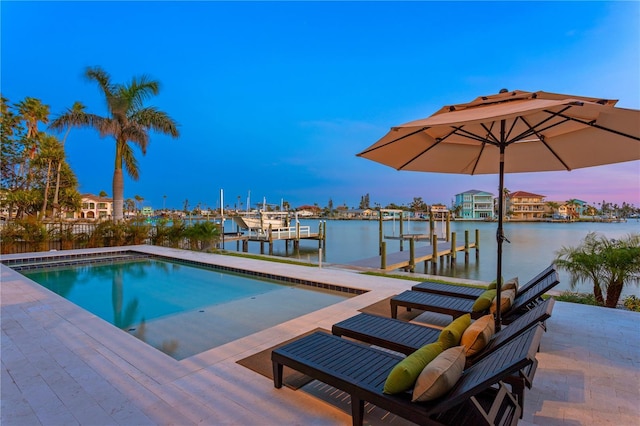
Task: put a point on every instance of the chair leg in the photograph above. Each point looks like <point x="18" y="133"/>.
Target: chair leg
<point x="277" y="374"/>
<point x="357" y="410"/>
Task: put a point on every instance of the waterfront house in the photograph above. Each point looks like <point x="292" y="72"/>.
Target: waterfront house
<point x="523" y="205"/>
<point x="308" y="211"/>
<point x="93" y="207"/>
<point x="475" y="205"/>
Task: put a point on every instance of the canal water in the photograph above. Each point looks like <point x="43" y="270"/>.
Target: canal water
<point x="533" y="245"/>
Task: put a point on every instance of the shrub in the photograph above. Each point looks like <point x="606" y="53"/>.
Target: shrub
<point x="572" y="297"/>
<point x="632" y="303"/>
<point x="609" y="264"/>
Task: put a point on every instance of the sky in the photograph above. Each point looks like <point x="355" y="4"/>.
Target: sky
<point x="275" y="99"/>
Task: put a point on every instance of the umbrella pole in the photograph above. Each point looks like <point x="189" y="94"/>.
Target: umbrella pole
<point x="500" y="239"/>
<point x="499" y="232"/>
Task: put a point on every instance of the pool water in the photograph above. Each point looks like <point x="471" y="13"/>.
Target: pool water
<point x="181" y="309"/>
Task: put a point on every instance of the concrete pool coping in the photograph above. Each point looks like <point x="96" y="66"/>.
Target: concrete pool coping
<point x="63" y="365"/>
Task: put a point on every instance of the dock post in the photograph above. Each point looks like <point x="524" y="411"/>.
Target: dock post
<point x="380" y="242"/>
<point x="477" y="243"/>
<point x="448" y="225"/>
<point x="466" y="246"/>
<point x="320" y="235"/>
<point x="431" y="224"/>
<point x="401" y="234"/>
<point x="383" y="255"/>
<point x="454" y="252"/>
<point x="324" y="235"/>
<point x="434" y="244"/>
<point x="245" y="245"/>
<point x="412" y="255"/>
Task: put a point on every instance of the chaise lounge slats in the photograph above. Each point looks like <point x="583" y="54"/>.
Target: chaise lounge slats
<point x="473" y="292"/>
<point x="361" y="371"/>
<point x="389" y="333"/>
<point x="454" y="306"/>
<point x="449" y="289"/>
<point x="457" y="306"/>
<point x="405" y="337"/>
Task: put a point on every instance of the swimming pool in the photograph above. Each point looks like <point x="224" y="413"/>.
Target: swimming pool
<point x="181" y="308"/>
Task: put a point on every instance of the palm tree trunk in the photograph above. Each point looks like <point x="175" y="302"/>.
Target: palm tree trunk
<point x="118" y="195"/>
<point x="597" y="292"/>
<point x="57" y="191"/>
<point x="118" y="184"/>
<point x="614" y="290"/>
<point x="46" y="192"/>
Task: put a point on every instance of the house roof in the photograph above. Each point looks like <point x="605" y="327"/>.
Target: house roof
<point x="308" y="207"/>
<point x="97" y="198"/>
<point x="475" y="192"/>
<point x="521" y="194"/>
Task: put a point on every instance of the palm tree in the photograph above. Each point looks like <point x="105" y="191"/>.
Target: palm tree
<point x="75" y="114"/>
<point x="32" y="111"/>
<point x="50" y="151"/>
<point x="139" y="200"/>
<point x="553" y="206"/>
<point x="609" y="264"/>
<point x="128" y="121"/>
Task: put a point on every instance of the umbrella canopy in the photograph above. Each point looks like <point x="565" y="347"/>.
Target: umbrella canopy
<point x="511" y="132"/>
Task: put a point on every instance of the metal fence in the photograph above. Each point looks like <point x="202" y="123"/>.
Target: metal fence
<point x="68" y="236"/>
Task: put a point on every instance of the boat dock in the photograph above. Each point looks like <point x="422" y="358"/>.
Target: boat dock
<point x="407" y="260"/>
<point x="291" y="234"/>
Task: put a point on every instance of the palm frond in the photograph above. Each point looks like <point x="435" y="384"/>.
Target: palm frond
<point x="156" y="120"/>
<point x="129" y="162"/>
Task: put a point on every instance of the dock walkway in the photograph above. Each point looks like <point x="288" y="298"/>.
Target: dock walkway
<point x="402" y="259"/>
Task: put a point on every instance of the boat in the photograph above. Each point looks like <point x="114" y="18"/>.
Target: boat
<point x="262" y="221"/>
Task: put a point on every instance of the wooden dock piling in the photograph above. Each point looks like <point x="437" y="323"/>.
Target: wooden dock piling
<point x="426" y="254"/>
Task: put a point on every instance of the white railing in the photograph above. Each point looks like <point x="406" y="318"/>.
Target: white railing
<point x="281" y="233"/>
<point x="292" y="232"/>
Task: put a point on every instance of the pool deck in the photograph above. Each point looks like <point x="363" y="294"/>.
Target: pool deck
<point x="63" y="366"/>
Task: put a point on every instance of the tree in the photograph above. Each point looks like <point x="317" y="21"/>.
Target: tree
<point x="417" y="205"/>
<point x="203" y="235"/>
<point x="139" y="200"/>
<point x="33" y="112"/>
<point x="129" y="205"/>
<point x="72" y="115"/>
<point x="128" y="121"/>
<point x="364" y="202"/>
<point x="608" y="264"/>
<point x="553" y="206"/>
<point x="11" y="132"/>
<point x="51" y="152"/>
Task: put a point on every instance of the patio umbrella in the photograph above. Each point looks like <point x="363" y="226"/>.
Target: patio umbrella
<point x="511" y="132"/>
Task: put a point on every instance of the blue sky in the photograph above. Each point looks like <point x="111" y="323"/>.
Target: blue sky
<point x="276" y="98"/>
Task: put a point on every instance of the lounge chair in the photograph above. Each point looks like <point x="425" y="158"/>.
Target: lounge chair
<point x="361" y="371"/>
<point x="472" y="292"/>
<point x="457" y="306"/>
<point x="406" y="338"/>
